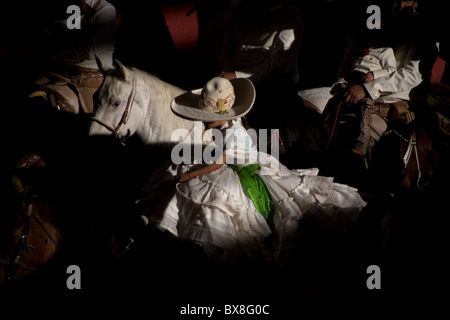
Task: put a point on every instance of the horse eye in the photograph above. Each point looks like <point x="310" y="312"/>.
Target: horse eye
<point x="116" y="103"/>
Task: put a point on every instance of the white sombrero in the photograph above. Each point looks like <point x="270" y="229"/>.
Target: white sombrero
<point x="220" y="99"/>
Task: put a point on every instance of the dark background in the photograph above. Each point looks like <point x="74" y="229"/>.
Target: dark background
<point x="155" y="287"/>
<point x="143" y="31"/>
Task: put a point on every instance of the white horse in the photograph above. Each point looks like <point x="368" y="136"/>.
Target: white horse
<point x="132" y="101"/>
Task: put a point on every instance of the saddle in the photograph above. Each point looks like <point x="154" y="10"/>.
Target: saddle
<point x="73" y="93"/>
<point x="395" y="111"/>
<point x="384" y="113"/>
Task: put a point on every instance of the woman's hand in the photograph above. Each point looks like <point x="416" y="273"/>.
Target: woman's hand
<point x="186" y="177"/>
<point x="205" y="170"/>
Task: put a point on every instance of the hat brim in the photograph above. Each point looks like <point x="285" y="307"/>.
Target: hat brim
<point x="186" y="104"/>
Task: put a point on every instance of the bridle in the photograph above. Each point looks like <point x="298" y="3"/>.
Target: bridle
<point x="23" y="245"/>
<point x="412" y="145"/>
<point x="123" y="119"/>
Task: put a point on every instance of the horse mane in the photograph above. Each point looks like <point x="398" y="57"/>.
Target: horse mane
<point x="160" y="121"/>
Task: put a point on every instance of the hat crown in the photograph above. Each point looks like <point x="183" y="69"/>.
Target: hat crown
<point x="219" y="99"/>
<point x="217" y="95"/>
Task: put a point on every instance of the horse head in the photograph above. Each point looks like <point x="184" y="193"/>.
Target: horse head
<point x="118" y="104"/>
<point x="131" y="101"/>
<point x="32" y="235"/>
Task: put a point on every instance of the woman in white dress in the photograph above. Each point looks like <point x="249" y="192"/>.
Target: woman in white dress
<point x="245" y="205"/>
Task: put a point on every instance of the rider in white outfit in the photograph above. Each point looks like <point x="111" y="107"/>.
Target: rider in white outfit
<point x="233" y="208"/>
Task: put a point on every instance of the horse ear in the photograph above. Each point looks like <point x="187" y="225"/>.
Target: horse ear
<point x="121" y="69"/>
<point x="100" y="65"/>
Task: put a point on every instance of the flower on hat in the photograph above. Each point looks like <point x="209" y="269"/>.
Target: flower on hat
<point x="217" y="95"/>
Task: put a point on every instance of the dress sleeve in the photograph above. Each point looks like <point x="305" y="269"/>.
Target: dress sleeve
<point x="388" y="64"/>
<point x="238" y="146"/>
<point x="406" y="78"/>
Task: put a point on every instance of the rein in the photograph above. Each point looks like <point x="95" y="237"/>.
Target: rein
<point x="123" y="119"/>
<point x="23" y="245"/>
<point x="338" y="108"/>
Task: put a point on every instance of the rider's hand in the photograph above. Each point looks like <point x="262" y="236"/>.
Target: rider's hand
<point x="228" y="75"/>
<point x="354" y="94"/>
<point x="185" y="177"/>
<point x="337" y="88"/>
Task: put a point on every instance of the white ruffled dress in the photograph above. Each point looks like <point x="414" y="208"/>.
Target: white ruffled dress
<point x="215" y="211"/>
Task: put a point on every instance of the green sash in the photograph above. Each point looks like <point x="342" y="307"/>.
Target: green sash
<point x="257" y="190"/>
